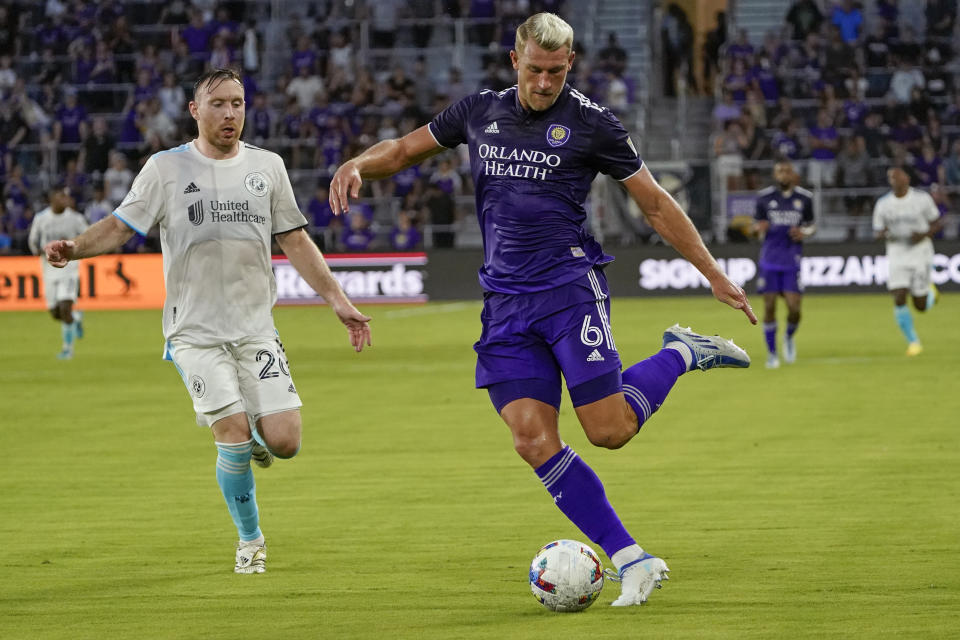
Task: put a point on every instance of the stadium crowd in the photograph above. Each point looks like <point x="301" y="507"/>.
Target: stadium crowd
<point x="847" y="91"/>
<point x="89" y="89"/>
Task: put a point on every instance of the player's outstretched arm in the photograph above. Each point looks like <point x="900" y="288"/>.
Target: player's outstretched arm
<point x="382" y="160"/>
<point x="668" y="219"/>
<point x="309" y="263"/>
<point x="102" y="237"/>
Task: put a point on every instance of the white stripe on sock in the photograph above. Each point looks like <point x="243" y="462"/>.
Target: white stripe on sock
<point x="558" y="469"/>
<point x="634" y="393"/>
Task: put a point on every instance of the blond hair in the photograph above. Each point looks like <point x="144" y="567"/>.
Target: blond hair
<point x="548" y="30"/>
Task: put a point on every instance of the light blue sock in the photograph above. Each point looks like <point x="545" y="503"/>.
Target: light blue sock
<point x="236" y="482"/>
<point x="68" y="332"/>
<point x="931" y="299"/>
<point x="905" y="321"/>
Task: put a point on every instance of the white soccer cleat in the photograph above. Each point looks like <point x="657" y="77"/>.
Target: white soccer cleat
<point x="773" y="362"/>
<point x="639" y="578"/>
<point x="261" y="456"/>
<point x="251" y="557"/>
<point x="709" y="352"/>
<point x="789" y="350"/>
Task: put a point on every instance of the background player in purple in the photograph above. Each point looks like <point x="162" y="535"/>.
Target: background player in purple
<point x="784" y="218"/>
<point x="534" y="150"/>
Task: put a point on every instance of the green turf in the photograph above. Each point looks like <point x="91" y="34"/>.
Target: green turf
<point x="818" y="500"/>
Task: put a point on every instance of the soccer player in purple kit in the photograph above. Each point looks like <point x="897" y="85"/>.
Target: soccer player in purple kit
<point x="534" y="150"/>
<point x="784" y="218"/>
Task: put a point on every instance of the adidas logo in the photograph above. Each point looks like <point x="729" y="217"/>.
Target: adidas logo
<point x="291" y="388"/>
<point x="191" y="188"/>
<point x="595" y="356"/>
<point x="492" y="128"/>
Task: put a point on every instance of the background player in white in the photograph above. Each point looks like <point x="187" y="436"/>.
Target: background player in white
<point x="907" y="219"/>
<point x="59" y="221"/>
<point x="218" y="202"/>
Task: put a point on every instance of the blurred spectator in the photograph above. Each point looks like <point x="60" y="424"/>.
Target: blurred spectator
<point x="441" y="214"/>
<point x="320" y="216"/>
<point x="357" y="236"/>
<point x="221" y="57"/>
<point x="423" y="12"/>
<point x="174" y="12"/>
<point x="785" y="142"/>
<point x="95" y="153"/>
<point x="482" y="25"/>
<point x="941" y="16"/>
<point x="196" y="34"/>
<point x="173" y="99"/>
<point x="251" y="48"/>
<point x="754" y="150"/>
<point x="849" y="19"/>
<point x="123" y="46"/>
<point x="725" y="110"/>
<point x="741" y="49"/>
<point x="763" y="79"/>
<point x="9" y="33"/>
<point x="874" y="133"/>
<point x="613" y="57"/>
<point x="736" y="81"/>
<point x="908" y="46"/>
<point x="888" y="16"/>
<point x="952" y="165"/>
<point x="824" y="143"/>
<point x="77" y="182"/>
<point x="157" y="123"/>
<point x="935" y="136"/>
<point x="69" y="125"/>
<point x="8" y="77"/>
<point x="713" y="42"/>
<point x="455" y="89"/>
<point x="13" y="128"/>
<point x="839" y="59"/>
<point x="677" y="39"/>
<point x="99" y="206"/>
<point x="305" y="87"/>
<point x="117" y="179"/>
<point x="928" y="167"/>
<point x="341" y="56"/>
<point x="404" y="236"/>
<point x="906" y="134"/>
<point x="446" y="179"/>
<point x="292" y="127"/>
<point x="728" y="147"/>
<point x="904" y="79"/>
<point x="804" y="17"/>
<point x="876" y="57"/>
<point x="259" y="121"/>
<point x="616" y="98"/>
<point x="304" y="56"/>
<point x="853" y="171"/>
<point x="383" y="22"/>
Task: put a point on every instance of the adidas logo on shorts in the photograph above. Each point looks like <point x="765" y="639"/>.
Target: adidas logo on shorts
<point x="594" y="356"/>
<point x="492" y="128"/>
<point x="291" y="388"/>
<point x="191" y="188"/>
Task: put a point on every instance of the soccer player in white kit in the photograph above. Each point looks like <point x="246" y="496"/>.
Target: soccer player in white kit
<point x="907" y="219"/>
<point x="60" y="221"/>
<point x="218" y="202"/>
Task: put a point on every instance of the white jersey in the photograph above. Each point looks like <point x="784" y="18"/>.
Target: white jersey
<point x="48" y="226"/>
<point x="217" y="218"/>
<point x="902" y="217"/>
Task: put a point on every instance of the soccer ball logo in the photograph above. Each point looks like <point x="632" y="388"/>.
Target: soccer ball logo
<point x="566" y="575"/>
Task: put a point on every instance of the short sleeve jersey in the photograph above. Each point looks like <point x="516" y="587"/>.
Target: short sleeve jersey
<point x="901" y="217"/>
<point x="782" y="211"/>
<point x="532" y="171"/>
<point x="216" y="220"/>
<point x="48" y="226"/>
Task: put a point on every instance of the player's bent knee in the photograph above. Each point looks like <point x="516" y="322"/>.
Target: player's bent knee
<point x="611" y="437"/>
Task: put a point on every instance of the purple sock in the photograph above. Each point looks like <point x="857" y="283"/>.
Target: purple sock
<point x="647" y="383"/>
<point x="791" y="329"/>
<point x="770" y="333"/>
<point x="579" y="494"/>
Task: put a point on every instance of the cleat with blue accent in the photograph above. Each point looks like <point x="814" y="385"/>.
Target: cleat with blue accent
<point x="638" y="579"/>
<point x="709" y="352"/>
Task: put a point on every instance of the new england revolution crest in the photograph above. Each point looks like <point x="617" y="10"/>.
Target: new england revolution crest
<point x="256" y="183"/>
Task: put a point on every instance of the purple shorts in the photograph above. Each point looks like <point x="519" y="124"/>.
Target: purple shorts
<point x="543" y="334"/>
<point x="779" y="281"/>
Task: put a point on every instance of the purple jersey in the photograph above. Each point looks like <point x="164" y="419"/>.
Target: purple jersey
<point x="780" y="251"/>
<point x="532" y="171"/>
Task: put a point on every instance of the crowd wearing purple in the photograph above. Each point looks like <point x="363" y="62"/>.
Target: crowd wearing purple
<point x="93" y="88"/>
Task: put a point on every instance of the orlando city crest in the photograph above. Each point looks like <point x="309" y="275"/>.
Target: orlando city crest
<point x="256" y="184"/>
<point x="557" y="134"/>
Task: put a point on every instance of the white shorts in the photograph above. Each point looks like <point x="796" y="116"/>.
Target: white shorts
<point x="59" y="288"/>
<point x="252" y="377"/>
<point x="912" y="274"/>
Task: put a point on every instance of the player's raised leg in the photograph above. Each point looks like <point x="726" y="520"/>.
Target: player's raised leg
<point x="234" y="447"/>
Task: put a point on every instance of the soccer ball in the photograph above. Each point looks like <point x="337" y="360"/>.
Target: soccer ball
<point x="566" y="575"/>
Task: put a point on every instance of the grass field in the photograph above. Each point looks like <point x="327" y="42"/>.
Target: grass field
<point x="818" y="500"/>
